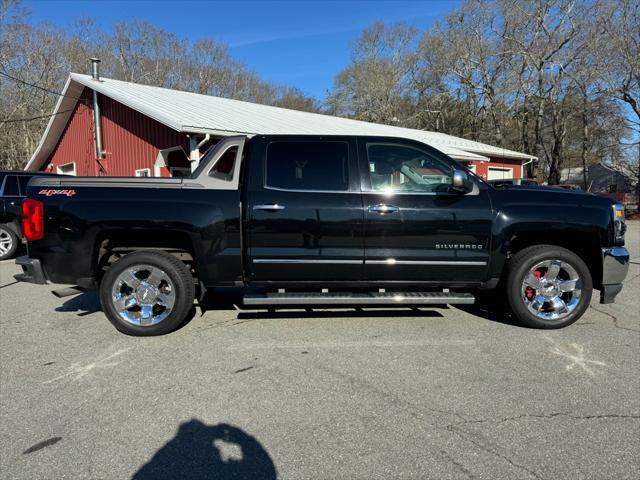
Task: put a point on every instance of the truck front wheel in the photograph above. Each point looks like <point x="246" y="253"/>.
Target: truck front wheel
<point x="147" y="293"/>
<point x="548" y="286"/>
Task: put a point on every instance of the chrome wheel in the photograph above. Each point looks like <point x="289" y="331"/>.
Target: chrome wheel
<point x="552" y="289"/>
<point x="143" y="295"/>
<point x="6" y="243"/>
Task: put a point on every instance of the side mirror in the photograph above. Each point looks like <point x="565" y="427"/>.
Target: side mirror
<point x="461" y="182"/>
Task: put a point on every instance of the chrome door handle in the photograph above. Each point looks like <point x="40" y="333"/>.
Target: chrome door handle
<point x="269" y="207"/>
<point x="383" y="209"/>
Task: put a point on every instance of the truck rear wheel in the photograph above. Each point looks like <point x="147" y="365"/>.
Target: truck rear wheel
<point x="147" y="293"/>
<point x="548" y="286"/>
<point x="8" y="242"/>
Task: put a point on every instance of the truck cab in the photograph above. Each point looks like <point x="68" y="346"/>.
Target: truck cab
<point x="291" y="221"/>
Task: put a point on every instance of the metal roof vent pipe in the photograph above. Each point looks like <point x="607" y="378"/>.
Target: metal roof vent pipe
<point x="95" y="69"/>
<point x="97" y="130"/>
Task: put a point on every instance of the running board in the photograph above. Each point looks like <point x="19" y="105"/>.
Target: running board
<point x="372" y="298"/>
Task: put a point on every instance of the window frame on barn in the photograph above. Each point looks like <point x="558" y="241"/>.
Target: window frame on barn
<point x="60" y="169"/>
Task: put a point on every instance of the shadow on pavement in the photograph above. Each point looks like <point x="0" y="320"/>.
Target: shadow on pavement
<point x="85" y="304"/>
<point x="489" y="314"/>
<point x="200" y="451"/>
<point x="89" y="302"/>
<point x="8" y="284"/>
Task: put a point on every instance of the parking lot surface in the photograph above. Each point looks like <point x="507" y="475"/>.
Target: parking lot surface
<point x="418" y="394"/>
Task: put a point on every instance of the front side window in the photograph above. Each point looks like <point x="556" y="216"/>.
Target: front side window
<point x="303" y="165"/>
<point x="401" y="168"/>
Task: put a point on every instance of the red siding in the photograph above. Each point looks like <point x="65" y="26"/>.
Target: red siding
<point x="76" y="142"/>
<point x="130" y="139"/>
<point x="482" y="168"/>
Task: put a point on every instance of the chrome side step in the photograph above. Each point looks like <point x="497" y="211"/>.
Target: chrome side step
<point x="369" y="298"/>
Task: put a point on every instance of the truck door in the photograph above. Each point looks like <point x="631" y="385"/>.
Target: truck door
<point x="416" y="228"/>
<point x="304" y="218"/>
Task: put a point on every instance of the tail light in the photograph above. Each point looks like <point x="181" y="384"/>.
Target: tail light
<point x="32" y="219"/>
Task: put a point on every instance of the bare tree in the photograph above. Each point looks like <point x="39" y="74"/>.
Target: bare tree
<point x="372" y="87"/>
<point x="516" y="73"/>
<point x="619" y="48"/>
<point x="37" y="60"/>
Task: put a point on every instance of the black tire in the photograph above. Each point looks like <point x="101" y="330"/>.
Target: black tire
<point x="10" y="242"/>
<point x="521" y="264"/>
<point x="175" y="270"/>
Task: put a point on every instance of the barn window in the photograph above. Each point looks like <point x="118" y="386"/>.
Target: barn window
<point x="67" y="169"/>
<point x="143" y="172"/>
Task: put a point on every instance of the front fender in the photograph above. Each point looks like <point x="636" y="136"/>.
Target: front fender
<point x="518" y="225"/>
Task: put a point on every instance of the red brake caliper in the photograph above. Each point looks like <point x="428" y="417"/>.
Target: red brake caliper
<point x="530" y="292"/>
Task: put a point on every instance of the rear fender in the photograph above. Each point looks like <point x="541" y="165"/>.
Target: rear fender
<point x="13" y="224"/>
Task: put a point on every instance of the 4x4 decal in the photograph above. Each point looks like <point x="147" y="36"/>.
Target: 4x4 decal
<point x="50" y="192"/>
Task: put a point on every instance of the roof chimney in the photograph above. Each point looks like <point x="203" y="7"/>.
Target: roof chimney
<point x="95" y="69"/>
<point x="95" y="75"/>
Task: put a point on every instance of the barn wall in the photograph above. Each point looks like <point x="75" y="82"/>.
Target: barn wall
<point x="76" y="142"/>
<point x="130" y="139"/>
<point x="482" y="168"/>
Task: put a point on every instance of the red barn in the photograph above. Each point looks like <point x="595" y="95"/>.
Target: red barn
<point x="102" y="126"/>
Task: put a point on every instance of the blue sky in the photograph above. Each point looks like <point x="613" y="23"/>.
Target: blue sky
<point x="301" y="43"/>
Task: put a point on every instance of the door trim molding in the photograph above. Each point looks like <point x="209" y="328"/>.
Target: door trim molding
<point x="393" y="261"/>
<point x="389" y="261"/>
<point x="295" y="260"/>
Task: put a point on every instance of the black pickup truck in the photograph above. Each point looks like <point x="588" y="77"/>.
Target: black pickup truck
<point x="303" y="221"/>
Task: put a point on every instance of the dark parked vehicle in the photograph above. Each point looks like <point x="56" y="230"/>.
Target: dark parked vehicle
<point x="512" y="182"/>
<point x="567" y="186"/>
<point x="13" y="188"/>
<point x="301" y="221"/>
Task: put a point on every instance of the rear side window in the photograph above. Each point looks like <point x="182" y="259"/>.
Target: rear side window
<point x="223" y="169"/>
<point x="11" y="187"/>
<point x="307" y="166"/>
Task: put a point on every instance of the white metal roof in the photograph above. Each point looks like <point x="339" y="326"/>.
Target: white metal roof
<point x="194" y="113"/>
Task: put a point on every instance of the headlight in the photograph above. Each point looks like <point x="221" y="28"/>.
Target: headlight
<point x="619" y="227"/>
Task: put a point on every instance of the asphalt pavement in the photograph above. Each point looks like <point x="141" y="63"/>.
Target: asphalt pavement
<point x="377" y="394"/>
